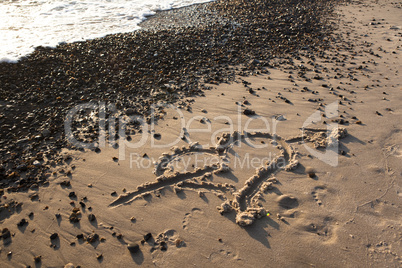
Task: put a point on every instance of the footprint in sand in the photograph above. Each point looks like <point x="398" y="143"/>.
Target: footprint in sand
<point x="326" y="228"/>
<point x="189" y="216"/>
<point x="287" y="202"/>
<point x="319" y="193"/>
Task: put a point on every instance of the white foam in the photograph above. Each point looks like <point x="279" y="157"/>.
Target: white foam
<point x="25" y="25"/>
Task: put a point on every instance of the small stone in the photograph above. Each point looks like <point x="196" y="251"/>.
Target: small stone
<point x="37" y="258"/>
<point x="248" y="112"/>
<point x="54" y="236"/>
<point x="93" y="238"/>
<point x="133" y="247"/>
<point x="22" y="223"/>
<point x="72" y="195"/>
<point x="310" y="172"/>
<point x="91" y="217"/>
<point x="147" y="236"/>
<point x="69" y="265"/>
<point x="178" y="242"/>
<point x="5" y="234"/>
<point x="163" y="246"/>
<point x="46" y="133"/>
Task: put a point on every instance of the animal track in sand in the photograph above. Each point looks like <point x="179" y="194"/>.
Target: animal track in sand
<point x="244" y="200"/>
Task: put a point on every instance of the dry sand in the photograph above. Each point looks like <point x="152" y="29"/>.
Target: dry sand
<point x="344" y="214"/>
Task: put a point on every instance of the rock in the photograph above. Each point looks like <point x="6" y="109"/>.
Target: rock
<point x="148" y="236"/>
<point x="163" y="246"/>
<point x="69" y="265"/>
<point x="54" y="236"/>
<point x="80" y="236"/>
<point x="38" y="258"/>
<point x="91" y="217"/>
<point x="5" y="234"/>
<point x="22" y="223"/>
<point x="133" y="247"/>
<point x="93" y="238"/>
<point x="248" y="112"/>
<point x="45" y="133"/>
<point x="36" y="163"/>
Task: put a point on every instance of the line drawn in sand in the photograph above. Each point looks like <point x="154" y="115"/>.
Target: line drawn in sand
<point x="245" y="202"/>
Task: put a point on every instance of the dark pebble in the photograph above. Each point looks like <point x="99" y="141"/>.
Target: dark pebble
<point x="5" y="234"/>
<point x="163" y="246"/>
<point x="248" y="112"/>
<point x="22" y="223"/>
<point x="54" y="236"/>
<point x="148" y="236"/>
<point x="133" y="247"/>
<point x="93" y="238"/>
<point x="91" y="217"/>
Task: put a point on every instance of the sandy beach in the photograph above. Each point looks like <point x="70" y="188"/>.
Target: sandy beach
<point x="291" y="161"/>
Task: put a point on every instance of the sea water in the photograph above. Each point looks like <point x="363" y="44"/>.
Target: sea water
<point x="26" y="24"/>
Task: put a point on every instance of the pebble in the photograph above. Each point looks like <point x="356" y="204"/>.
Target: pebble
<point x="91" y="217"/>
<point x="93" y="238"/>
<point x="22" y="223"/>
<point x="133" y="247"/>
<point x="5" y="234"/>
<point x="148" y="236"/>
<point x="38" y="258"/>
<point x="248" y="112"/>
<point x="54" y="236"/>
